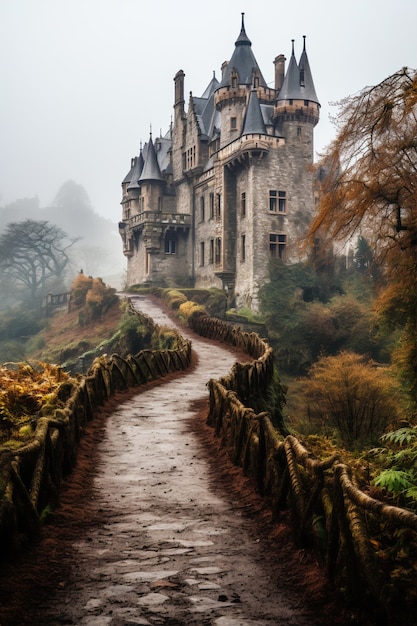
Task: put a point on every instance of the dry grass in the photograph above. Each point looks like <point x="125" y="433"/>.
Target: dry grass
<point x="64" y="334"/>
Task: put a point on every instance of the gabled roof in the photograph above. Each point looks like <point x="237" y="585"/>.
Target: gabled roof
<point x="298" y="82"/>
<point x="211" y="87"/>
<point x="254" y="122"/>
<point x="243" y="61"/>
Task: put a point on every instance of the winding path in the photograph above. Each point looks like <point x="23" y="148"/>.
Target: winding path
<point x="160" y="544"/>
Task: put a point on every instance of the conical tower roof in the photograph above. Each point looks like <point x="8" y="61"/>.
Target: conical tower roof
<point x="305" y="74"/>
<point x="290" y="89"/>
<point x="254" y="122"/>
<point x="298" y="82"/>
<point x="128" y="176"/>
<point x="243" y="61"/>
<point x="151" y="170"/>
<point x="136" y="172"/>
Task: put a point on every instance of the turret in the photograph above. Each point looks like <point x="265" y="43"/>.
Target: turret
<point x="239" y="77"/>
<point x="297" y="99"/>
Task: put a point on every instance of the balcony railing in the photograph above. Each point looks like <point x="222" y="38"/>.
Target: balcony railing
<point x="159" y="217"/>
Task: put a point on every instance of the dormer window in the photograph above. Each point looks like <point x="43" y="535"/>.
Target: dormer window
<point x="302" y="81"/>
<point x="234" y="81"/>
<point x="256" y="81"/>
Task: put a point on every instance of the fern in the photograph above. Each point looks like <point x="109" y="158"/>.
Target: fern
<point x="396" y="481"/>
<point x="400" y="436"/>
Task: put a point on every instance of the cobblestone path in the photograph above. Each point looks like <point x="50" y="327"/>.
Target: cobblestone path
<point x="163" y="545"/>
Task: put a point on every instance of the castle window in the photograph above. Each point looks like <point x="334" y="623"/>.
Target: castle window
<point x="277" y="245"/>
<point x="218" y="251"/>
<point x="256" y="81"/>
<point x="202" y="253"/>
<point x="243" y="247"/>
<point x="211" y="251"/>
<point x="298" y="131"/>
<point x="233" y="123"/>
<point x="234" y="81"/>
<point x="243" y="204"/>
<point x="212" y="206"/>
<point x="202" y="209"/>
<point x="302" y="79"/>
<point x="170" y="246"/>
<point x="159" y="203"/>
<point x="277" y="201"/>
<point x="218" y="206"/>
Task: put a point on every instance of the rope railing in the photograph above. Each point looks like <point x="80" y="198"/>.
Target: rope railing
<point x="30" y="476"/>
<point x="353" y="534"/>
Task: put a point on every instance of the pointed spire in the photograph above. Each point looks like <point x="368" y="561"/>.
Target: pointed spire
<point x="243" y="39"/>
<point x="151" y="170"/>
<point x="243" y="62"/>
<point x="298" y="82"/>
<point x="254" y="121"/>
<point x="136" y="171"/>
<point x="290" y="89"/>
<point x="306" y="78"/>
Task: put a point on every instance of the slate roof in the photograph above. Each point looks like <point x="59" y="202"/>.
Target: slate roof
<point x="243" y="60"/>
<point x="298" y="82"/>
<point x="254" y="122"/>
<point x="136" y="172"/>
<point x="151" y="169"/>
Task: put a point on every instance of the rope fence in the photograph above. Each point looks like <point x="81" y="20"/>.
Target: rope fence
<point x="363" y="542"/>
<point x="30" y="476"/>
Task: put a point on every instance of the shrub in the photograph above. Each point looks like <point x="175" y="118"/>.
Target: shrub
<point x="79" y="288"/>
<point x="190" y="309"/>
<point x="174" y="298"/>
<point x="352" y="394"/>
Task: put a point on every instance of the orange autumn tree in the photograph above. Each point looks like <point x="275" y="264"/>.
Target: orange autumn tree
<point x="368" y="188"/>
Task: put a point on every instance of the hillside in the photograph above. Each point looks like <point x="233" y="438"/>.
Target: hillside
<point x="65" y="338"/>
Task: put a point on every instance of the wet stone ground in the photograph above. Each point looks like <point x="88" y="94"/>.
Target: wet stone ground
<point x="152" y="539"/>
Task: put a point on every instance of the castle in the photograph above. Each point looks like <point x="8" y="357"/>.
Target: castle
<point x="230" y="185"/>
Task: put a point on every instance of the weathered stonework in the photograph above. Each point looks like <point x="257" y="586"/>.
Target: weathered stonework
<point x="229" y="186"/>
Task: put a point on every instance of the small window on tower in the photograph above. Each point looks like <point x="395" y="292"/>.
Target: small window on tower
<point x="243" y="204"/>
<point x="233" y="123"/>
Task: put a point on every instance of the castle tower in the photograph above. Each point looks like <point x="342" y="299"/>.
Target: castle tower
<point x="297" y="109"/>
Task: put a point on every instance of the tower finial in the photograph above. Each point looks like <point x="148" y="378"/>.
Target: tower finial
<point x="292" y="43"/>
<point x="304" y="45"/>
<point x="243" y="38"/>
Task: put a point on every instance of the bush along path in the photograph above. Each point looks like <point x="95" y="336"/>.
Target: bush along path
<point x="155" y="527"/>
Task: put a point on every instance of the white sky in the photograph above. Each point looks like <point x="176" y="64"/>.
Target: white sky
<point x="82" y="80"/>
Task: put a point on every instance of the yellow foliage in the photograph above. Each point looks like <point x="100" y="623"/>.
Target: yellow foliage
<point x="354" y="395"/>
<point x="189" y="309"/>
<point x="24" y="390"/>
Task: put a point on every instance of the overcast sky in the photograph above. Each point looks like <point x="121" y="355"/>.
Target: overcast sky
<point x="82" y="81"/>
